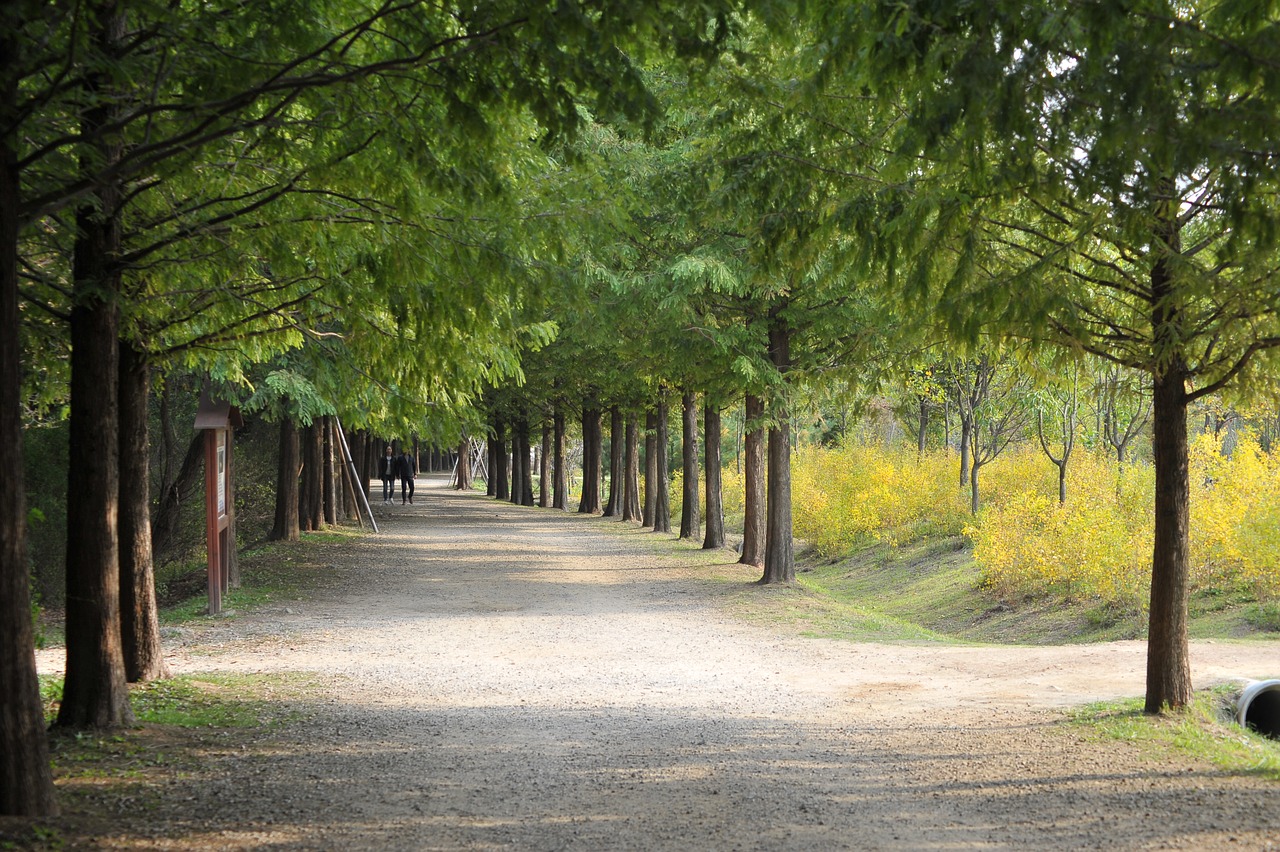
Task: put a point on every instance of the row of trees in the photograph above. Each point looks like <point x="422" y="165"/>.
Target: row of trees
<point x="348" y="190"/>
<point x="438" y="200"/>
<point x="893" y="178"/>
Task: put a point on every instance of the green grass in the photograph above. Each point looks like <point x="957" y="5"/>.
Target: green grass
<point x="1204" y="731"/>
<point x="931" y="588"/>
<point x="206" y="700"/>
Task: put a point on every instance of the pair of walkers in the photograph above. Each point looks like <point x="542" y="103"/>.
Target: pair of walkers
<point x="393" y="467"/>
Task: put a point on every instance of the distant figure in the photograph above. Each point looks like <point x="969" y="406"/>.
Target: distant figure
<point x="387" y="472"/>
<point x="408" y="470"/>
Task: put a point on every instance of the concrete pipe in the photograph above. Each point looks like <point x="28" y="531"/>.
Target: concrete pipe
<point x="1258" y="707"/>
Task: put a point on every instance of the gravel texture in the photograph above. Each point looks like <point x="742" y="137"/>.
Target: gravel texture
<point x="495" y="677"/>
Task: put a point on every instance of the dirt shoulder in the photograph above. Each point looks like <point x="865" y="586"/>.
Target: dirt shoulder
<point x="489" y="676"/>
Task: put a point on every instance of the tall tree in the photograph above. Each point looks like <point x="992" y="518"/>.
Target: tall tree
<point x="753" y="465"/>
<point x="1112" y="165"/>
<point x="26" y="779"/>
<point x="714" y="539"/>
<point x="690" y="519"/>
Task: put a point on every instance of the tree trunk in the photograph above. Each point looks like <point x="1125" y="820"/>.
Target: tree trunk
<point x="966" y="434"/>
<point x="1168" y="659"/>
<point x="591" y="462"/>
<point x="690" y="513"/>
<point x="517" y="470"/>
<point x="662" y="505"/>
<point x="139" y="615"/>
<point x="526" y="472"/>
<point x="26" y="778"/>
<point x="345" y="480"/>
<point x="922" y="428"/>
<point x="631" y="510"/>
<point x="560" y="493"/>
<point x="286" y="525"/>
<point x="311" y="495"/>
<point x="329" y="493"/>
<point x="974" y="498"/>
<point x="94" y="690"/>
<point x="650" y="467"/>
<point x="462" y="482"/>
<point x="491" y="464"/>
<point x="617" y="445"/>
<point x="544" y="467"/>
<point x="753" y="524"/>
<point x="715" y="504"/>
<point x="502" y="489"/>
<point x="779" y="555"/>
<point x="1168" y="654"/>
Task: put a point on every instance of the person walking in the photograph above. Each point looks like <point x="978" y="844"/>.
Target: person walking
<point x="408" y="470"/>
<point x="387" y="469"/>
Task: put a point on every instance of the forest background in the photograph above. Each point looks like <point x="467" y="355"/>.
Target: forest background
<point x="1027" y="228"/>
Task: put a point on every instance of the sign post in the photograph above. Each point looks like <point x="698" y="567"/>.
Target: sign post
<point x="217" y="420"/>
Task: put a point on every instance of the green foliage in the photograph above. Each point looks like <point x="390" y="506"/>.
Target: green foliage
<point x="204" y="700"/>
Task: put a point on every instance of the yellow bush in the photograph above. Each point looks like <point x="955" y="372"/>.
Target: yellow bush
<point x="1099" y="543"/>
<point x="852" y="493"/>
<point x="1235" y="515"/>
<point x="1096" y="545"/>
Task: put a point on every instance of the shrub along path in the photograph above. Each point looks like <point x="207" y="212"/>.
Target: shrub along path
<point x="489" y="676"/>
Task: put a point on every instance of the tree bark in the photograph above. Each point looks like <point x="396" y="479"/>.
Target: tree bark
<point x="662" y="505"/>
<point x="517" y="467"/>
<point x="94" y="690"/>
<point x="26" y="777"/>
<point x="631" y="510"/>
<point x="290" y="461"/>
<point x="139" y="614"/>
<point x="975" y="500"/>
<point x="502" y="489"/>
<point x="544" y="467"/>
<point x="715" y="500"/>
<point x="591" y="462"/>
<point x="329" y="492"/>
<point x="1168" y="654"/>
<point x="690" y="512"/>
<point x="491" y="464"/>
<point x="462" y="482"/>
<point x="526" y="472"/>
<point x="617" y="447"/>
<point x="560" y="493"/>
<point x="779" y="555"/>
<point x="922" y="426"/>
<point x="310" y="497"/>
<point x="753" y="452"/>
<point x="650" y="467"/>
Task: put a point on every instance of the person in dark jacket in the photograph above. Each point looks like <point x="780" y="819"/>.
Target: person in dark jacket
<point x="408" y="470"/>
<point x="388" y="466"/>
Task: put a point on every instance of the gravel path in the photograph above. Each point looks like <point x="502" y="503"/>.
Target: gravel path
<point x="508" y="678"/>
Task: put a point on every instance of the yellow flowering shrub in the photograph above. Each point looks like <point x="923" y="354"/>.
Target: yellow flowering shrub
<point x="1235" y="515"/>
<point x="1096" y="545"/>
<point x="848" y="494"/>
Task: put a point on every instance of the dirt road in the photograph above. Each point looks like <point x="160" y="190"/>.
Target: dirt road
<point x="508" y="678"/>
